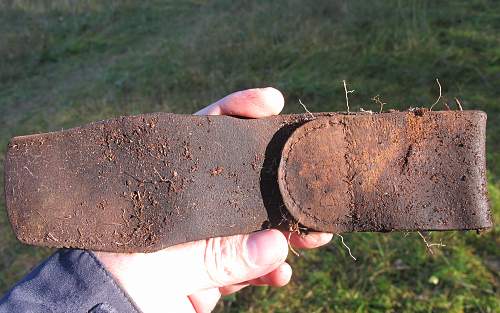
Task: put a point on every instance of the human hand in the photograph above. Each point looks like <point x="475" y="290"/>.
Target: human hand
<point x="191" y="277"/>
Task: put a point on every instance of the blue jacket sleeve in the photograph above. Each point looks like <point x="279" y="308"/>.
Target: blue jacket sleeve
<point x="68" y="281"/>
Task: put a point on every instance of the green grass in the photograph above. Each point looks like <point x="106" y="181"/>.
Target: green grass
<point x="64" y="63"/>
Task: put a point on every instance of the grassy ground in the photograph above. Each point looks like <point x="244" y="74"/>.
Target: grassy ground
<point x="64" y="63"/>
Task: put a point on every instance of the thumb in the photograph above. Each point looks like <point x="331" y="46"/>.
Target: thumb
<point x="235" y="259"/>
<point x="199" y="265"/>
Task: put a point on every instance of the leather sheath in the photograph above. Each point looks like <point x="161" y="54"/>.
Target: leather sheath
<point x="143" y="183"/>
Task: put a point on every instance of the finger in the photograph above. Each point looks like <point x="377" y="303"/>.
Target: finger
<point x="211" y="263"/>
<point x="204" y="301"/>
<point x="236" y="259"/>
<point x="253" y="103"/>
<point x="309" y="241"/>
<point x="277" y="278"/>
<point x="227" y="290"/>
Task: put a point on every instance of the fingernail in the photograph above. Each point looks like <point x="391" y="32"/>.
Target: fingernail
<point x="322" y="238"/>
<point x="267" y="247"/>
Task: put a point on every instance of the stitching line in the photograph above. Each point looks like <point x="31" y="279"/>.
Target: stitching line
<point x="289" y="150"/>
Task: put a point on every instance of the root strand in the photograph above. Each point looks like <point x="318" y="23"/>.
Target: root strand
<point x="430" y="245"/>
<point x="347" y="92"/>
<point x="347" y="247"/>
<point x="440" y="94"/>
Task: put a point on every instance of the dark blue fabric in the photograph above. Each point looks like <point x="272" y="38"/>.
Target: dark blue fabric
<point x="68" y="281"/>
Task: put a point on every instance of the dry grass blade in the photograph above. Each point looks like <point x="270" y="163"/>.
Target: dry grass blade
<point x="459" y="104"/>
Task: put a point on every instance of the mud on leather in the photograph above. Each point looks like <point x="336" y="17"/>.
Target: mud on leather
<point x="143" y="183"/>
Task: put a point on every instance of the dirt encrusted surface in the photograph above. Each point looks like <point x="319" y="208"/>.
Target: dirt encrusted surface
<point x="415" y="171"/>
<point x="142" y="183"/>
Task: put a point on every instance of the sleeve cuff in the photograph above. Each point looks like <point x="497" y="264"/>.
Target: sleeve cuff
<point x="68" y="281"/>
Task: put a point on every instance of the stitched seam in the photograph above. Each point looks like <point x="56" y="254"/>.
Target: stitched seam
<point x="348" y="163"/>
<point x="123" y="293"/>
<point x="289" y="150"/>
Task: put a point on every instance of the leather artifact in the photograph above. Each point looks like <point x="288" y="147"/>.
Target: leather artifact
<point x="143" y="183"/>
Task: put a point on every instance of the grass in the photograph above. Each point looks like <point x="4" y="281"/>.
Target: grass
<point x="64" y="63"/>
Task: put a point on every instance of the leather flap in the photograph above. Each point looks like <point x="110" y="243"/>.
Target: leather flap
<point x="416" y="170"/>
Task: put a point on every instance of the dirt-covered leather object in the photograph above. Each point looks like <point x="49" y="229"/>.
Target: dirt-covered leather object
<point x="146" y="182"/>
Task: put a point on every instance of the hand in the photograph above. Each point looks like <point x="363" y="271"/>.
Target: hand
<point x="191" y="277"/>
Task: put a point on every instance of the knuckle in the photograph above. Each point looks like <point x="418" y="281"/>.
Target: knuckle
<point x="221" y="260"/>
